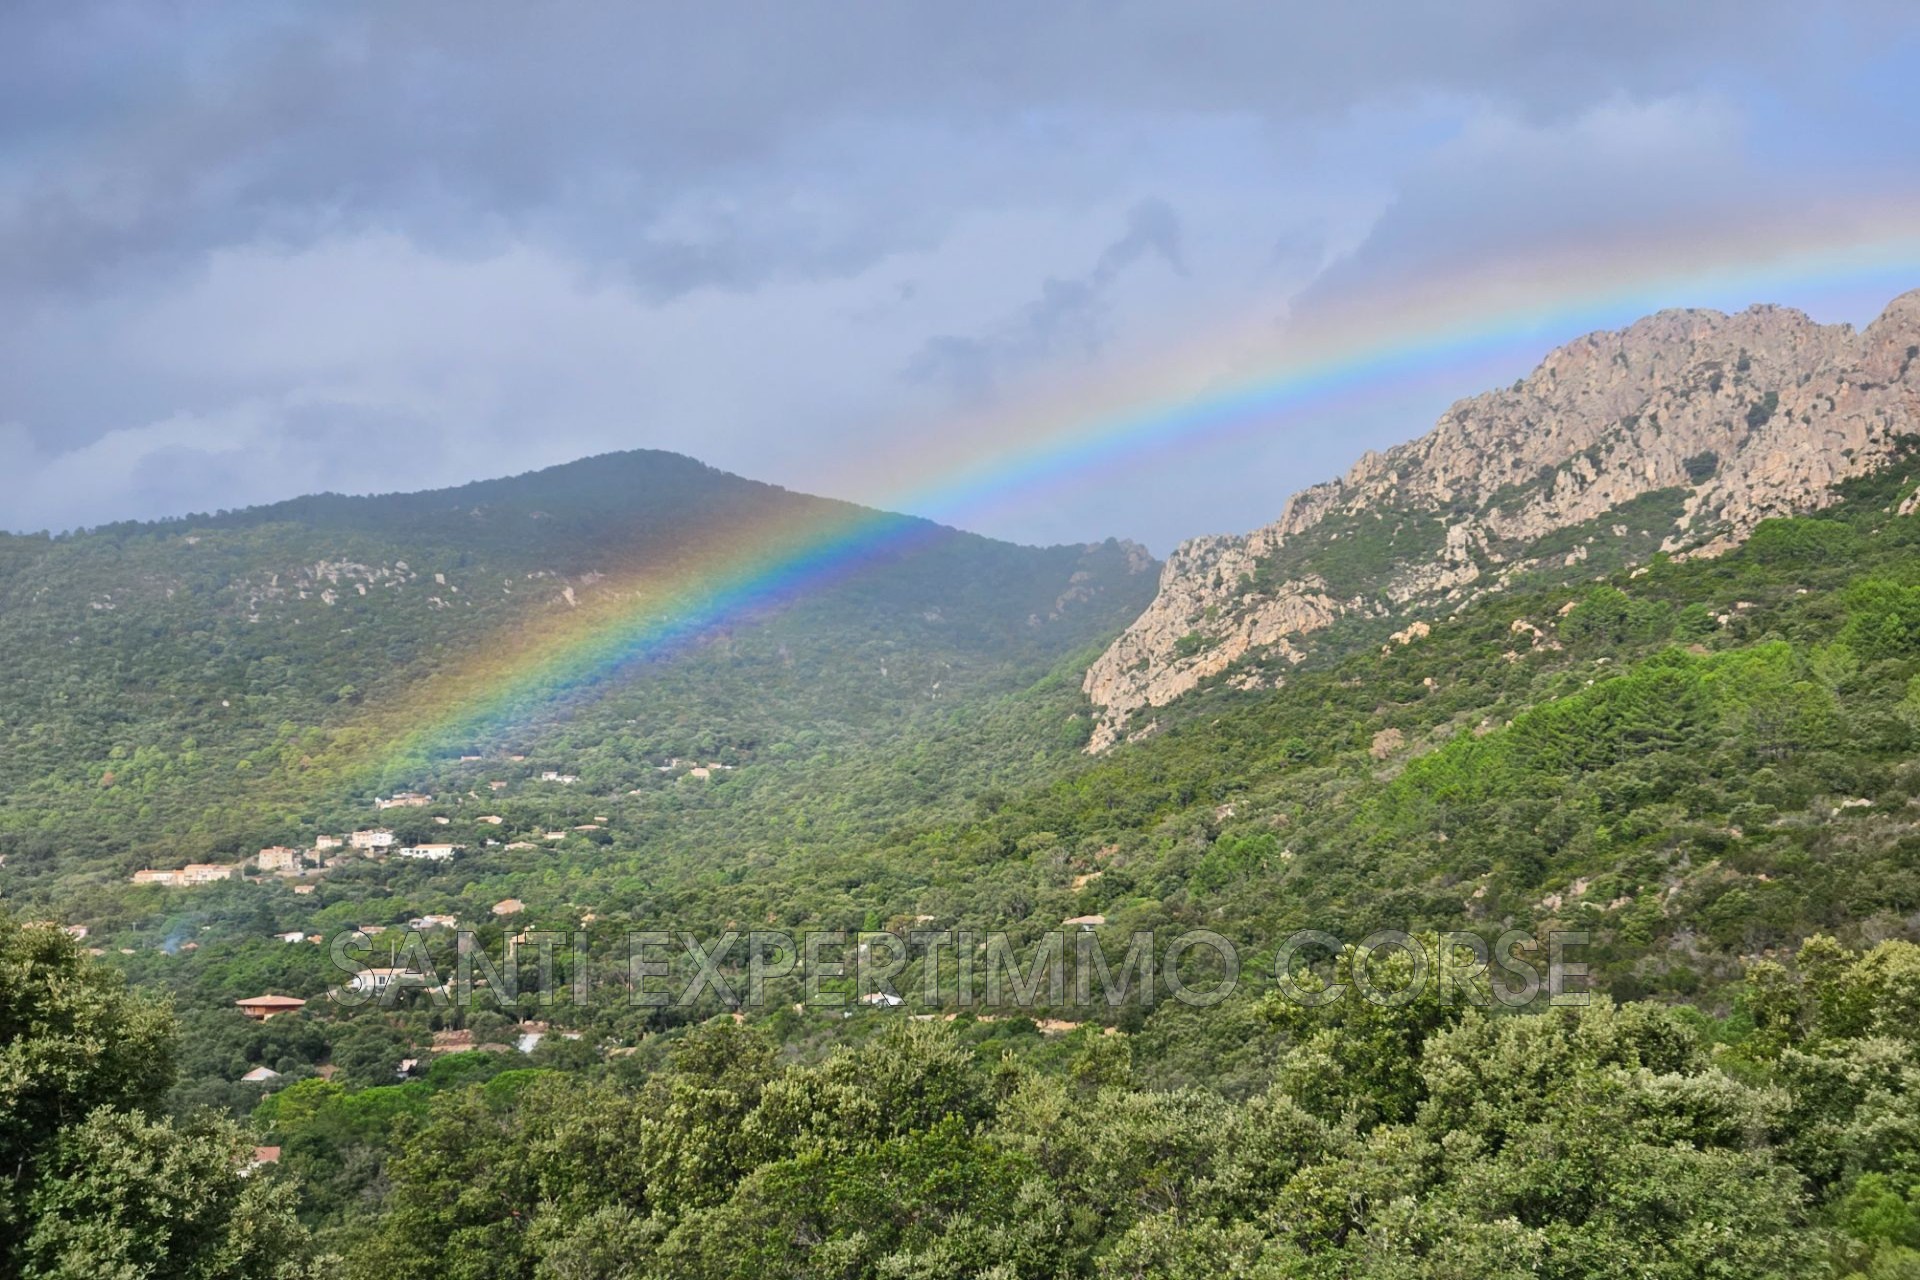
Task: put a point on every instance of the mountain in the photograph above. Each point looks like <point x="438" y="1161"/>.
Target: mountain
<point x="1698" y="774"/>
<point x="198" y="687"/>
<point x="1677" y="434"/>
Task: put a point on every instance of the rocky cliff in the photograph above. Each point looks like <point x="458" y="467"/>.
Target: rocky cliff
<point x="1679" y="433"/>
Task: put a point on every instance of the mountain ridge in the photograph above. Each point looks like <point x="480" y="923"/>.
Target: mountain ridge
<point x="186" y="687"/>
<point x="1677" y="434"/>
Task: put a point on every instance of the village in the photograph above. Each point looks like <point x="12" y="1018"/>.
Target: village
<point x="332" y="851"/>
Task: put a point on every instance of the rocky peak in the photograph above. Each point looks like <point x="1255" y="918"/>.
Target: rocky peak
<point x="1679" y="433"/>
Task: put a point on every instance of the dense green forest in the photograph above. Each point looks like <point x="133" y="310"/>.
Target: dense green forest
<point x="1697" y="764"/>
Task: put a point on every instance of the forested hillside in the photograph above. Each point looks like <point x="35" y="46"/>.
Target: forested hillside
<point x="1697" y="765"/>
<point x="196" y="689"/>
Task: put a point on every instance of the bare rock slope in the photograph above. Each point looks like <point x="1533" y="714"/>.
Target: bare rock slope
<point x="1679" y="433"/>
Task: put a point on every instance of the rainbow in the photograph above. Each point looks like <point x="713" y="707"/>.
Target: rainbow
<point x="1211" y="391"/>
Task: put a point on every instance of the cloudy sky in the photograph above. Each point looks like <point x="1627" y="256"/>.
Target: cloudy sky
<point x="259" y="249"/>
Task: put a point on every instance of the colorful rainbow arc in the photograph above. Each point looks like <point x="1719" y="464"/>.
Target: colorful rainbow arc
<point x="763" y="564"/>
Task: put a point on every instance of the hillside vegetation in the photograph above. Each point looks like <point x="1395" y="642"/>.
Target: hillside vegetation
<point x="1699" y="765"/>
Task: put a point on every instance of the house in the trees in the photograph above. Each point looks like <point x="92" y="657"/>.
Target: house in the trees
<point x="403" y="800"/>
<point x="150" y="876"/>
<point x="278" y="858"/>
<point x="372" y="839"/>
<point x="261" y="1156"/>
<point x="208" y="872"/>
<point x="260" y="1075"/>
<point x="430" y="852"/>
<point x="375" y="981"/>
<point x="260" y="1008"/>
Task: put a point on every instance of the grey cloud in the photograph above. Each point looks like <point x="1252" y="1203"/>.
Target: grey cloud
<point x="251" y="250"/>
<point x="1068" y="318"/>
<point x="435" y="117"/>
<point x="1504" y="190"/>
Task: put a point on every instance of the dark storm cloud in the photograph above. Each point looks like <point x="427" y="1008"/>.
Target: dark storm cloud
<point x="764" y="232"/>
<point x="139" y="132"/>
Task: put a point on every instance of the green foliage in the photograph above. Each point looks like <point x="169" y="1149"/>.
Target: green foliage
<point x="91" y="1183"/>
<point x="1693" y="763"/>
<point x="1581" y="1141"/>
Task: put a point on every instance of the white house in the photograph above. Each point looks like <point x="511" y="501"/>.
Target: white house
<point x="374" y="981"/>
<point x="430" y="852"/>
<point x="372" y="839"/>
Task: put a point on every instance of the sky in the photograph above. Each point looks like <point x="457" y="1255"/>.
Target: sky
<point x="254" y="250"/>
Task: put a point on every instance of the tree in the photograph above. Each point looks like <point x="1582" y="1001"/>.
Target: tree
<point x="91" y="1183"/>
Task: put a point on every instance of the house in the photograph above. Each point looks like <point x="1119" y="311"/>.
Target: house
<point x="491" y="819"/>
<point x="509" y="907"/>
<point x="278" y="858"/>
<point x="207" y="872"/>
<point x="305" y="888"/>
<point x="260" y="1008"/>
<point x="261" y="1156"/>
<point x="882" y="1000"/>
<point x="498" y="784"/>
<point x="403" y="800"/>
<point x="422" y="923"/>
<point x="700" y="771"/>
<point x="374" y="981"/>
<point x="78" y="932"/>
<point x="294" y="936"/>
<point x="407" y="1066"/>
<point x="430" y="852"/>
<point x="556" y="835"/>
<point x="159" y="877"/>
<point x="1084" y="922"/>
<point x="260" y="1075"/>
<point x="564" y="779"/>
<point x="372" y="839"/>
<point x="452" y="1041"/>
<point x="441" y="820"/>
<point x="322" y="843"/>
<point x="522" y="844"/>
